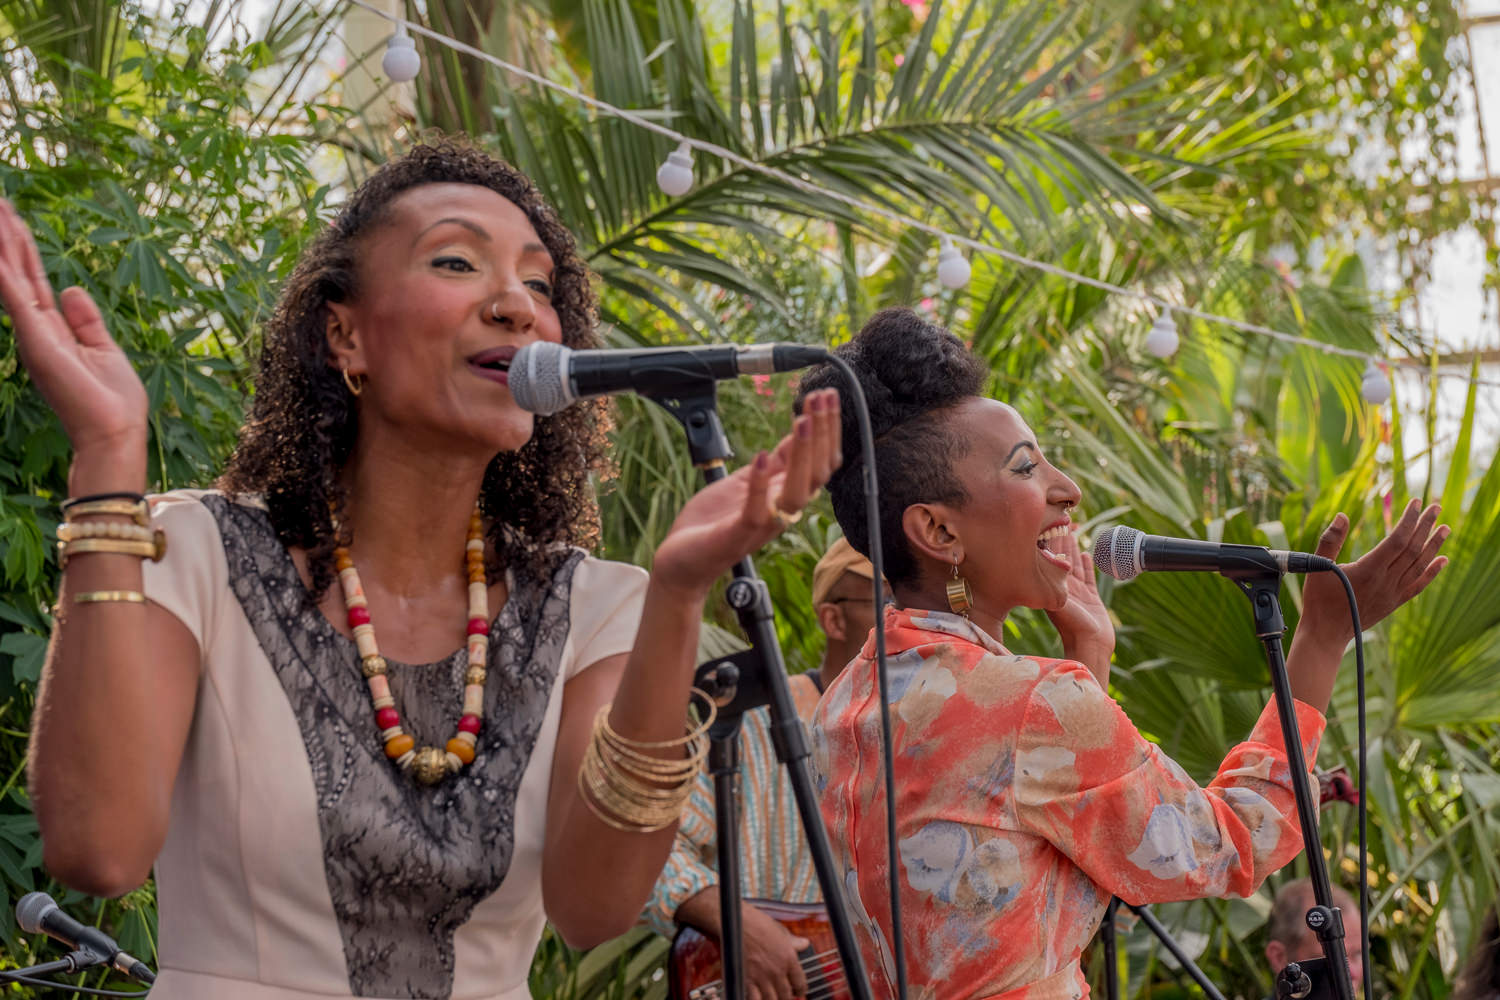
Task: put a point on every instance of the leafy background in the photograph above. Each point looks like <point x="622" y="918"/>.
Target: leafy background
<point x="174" y="161"/>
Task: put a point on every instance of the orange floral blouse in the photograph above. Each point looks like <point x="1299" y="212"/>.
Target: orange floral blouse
<point x="1025" y="799"/>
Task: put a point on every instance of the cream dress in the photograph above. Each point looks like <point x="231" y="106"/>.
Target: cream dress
<point x="299" y="862"/>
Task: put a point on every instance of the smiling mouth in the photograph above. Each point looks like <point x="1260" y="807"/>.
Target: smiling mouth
<point x="493" y="366"/>
<point x="1047" y="544"/>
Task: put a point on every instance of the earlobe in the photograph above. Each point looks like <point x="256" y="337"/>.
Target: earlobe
<point x="831" y="619"/>
<point x="344" y="352"/>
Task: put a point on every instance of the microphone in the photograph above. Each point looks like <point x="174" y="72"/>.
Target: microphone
<point x="545" y="377"/>
<point x="1124" y="553"/>
<point x="38" y="913"/>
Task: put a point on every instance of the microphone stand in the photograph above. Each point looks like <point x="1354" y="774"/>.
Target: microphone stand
<point x="737" y="684"/>
<point x="1325" y="978"/>
<point x="1263" y="587"/>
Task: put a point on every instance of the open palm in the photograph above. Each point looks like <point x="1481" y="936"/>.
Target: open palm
<point x="79" y="369"/>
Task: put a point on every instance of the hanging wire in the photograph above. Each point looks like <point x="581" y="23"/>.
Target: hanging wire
<point x="892" y="215"/>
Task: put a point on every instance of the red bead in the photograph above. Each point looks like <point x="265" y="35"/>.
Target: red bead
<point x="386" y="718"/>
<point x="359" y="616"/>
<point x="478" y="626"/>
<point x="469" y="724"/>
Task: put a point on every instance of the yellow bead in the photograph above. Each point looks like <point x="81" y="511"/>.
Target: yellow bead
<point x="461" y="750"/>
<point x="399" y="745"/>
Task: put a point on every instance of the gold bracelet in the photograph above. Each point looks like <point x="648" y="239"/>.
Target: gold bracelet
<point x="635" y="792"/>
<point x="692" y="733"/>
<point x="72" y="531"/>
<point x="644" y="790"/>
<point x="617" y="812"/>
<point x="109" y="597"/>
<point x="137" y="509"/>
<point x="153" y="550"/>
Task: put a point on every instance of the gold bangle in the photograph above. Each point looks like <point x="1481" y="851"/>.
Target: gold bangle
<point x="109" y="597"/>
<point x="153" y="550"/>
<point x="692" y="734"/>
<point x="619" y="812"/>
<point x="140" y="510"/>
<point x="72" y="531"/>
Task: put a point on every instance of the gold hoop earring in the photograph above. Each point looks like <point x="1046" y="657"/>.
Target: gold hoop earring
<point x="960" y="594"/>
<point x="355" y="388"/>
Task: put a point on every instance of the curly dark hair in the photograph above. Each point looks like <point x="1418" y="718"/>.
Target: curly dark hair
<point x="912" y="371"/>
<point x="303" y="421"/>
<point x="1480" y="979"/>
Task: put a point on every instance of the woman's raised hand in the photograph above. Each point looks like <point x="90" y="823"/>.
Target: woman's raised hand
<point x="1396" y="570"/>
<point x="1083" y="623"/>
<point x="733" y="517"/>
<point x="79" y="369"/>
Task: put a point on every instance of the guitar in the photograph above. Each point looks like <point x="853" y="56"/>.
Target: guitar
<point x="694" y="972"/>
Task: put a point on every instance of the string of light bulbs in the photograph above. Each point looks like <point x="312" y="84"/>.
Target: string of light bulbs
<point x="675" y="177"/>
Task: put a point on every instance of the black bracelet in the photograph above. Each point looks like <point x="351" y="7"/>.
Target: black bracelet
<point x="92" y="497"/>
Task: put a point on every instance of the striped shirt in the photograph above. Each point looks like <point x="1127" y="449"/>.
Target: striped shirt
<point x="774" y="860"/>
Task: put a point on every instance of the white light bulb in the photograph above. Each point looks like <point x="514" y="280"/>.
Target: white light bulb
<point x="675" y="176"/>
<point x="953" y="269"/>
<point x="1375" y="387"/>
<point x="401" y="62"/>
<point x="1162" y="341"/>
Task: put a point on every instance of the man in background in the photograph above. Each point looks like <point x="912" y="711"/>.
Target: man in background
<point x="774" y="860"/>
<point x="1291" y="940"/>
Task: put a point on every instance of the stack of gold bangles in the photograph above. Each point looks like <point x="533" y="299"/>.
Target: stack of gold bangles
<point x="75" y="538"/>
<point x="633" y="790"/>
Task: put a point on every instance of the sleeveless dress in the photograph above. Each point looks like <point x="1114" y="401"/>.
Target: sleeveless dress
<point x="299" y="862"/>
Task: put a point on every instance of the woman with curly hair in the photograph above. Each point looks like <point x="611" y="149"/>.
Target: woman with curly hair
<point x="1024" y="796"/>
<point x="356" y="709"/>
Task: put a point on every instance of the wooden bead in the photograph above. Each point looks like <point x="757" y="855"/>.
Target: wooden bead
<point x="387" y="717"/>
<point x="461" y="750"/>
<point x="358" y="615"/>
<point x="342" y="561"/>
<point x="398" y="745"/>
<point x="379" y="685"/>
<point x="473" y="700"/>
<point x="469" y="724"/>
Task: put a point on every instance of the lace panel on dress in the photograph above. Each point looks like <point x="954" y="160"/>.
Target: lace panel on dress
<point x="406" y="863"/>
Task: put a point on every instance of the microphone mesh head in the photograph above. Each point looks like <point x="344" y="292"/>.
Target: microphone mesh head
<point x="538" y="377"/>
<point x="1117" y="552"/>
<point x="31" y="909"/>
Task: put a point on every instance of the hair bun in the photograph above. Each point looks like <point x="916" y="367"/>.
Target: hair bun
<point x="906" y="365"/>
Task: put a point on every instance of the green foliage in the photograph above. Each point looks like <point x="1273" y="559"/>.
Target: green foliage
<point x="148" y="188"/>
<point x="167" y="177"/>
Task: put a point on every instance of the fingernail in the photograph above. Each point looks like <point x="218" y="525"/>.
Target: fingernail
<point x="760" y="462"/>
<point x="804" y="428"/>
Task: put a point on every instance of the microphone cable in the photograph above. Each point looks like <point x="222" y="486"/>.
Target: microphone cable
<point x="877" y="561"/>
<point x="1363" y="808"/>
<point x="52" y="984"/>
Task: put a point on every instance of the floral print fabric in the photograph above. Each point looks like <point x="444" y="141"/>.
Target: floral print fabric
<point x="1025" y="800"/>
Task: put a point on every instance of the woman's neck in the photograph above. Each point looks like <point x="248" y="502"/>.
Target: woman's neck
<point x="933" y="596"/>
<point x="408" y="512"/>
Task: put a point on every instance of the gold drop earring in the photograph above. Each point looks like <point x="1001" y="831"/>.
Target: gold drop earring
<point x="960" y="594"/>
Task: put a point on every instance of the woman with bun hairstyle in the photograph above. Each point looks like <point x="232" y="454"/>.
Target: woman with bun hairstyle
<point x="1025" y="798"/>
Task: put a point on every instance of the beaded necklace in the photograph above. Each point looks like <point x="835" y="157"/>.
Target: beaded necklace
<point x="429" y="765"/>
